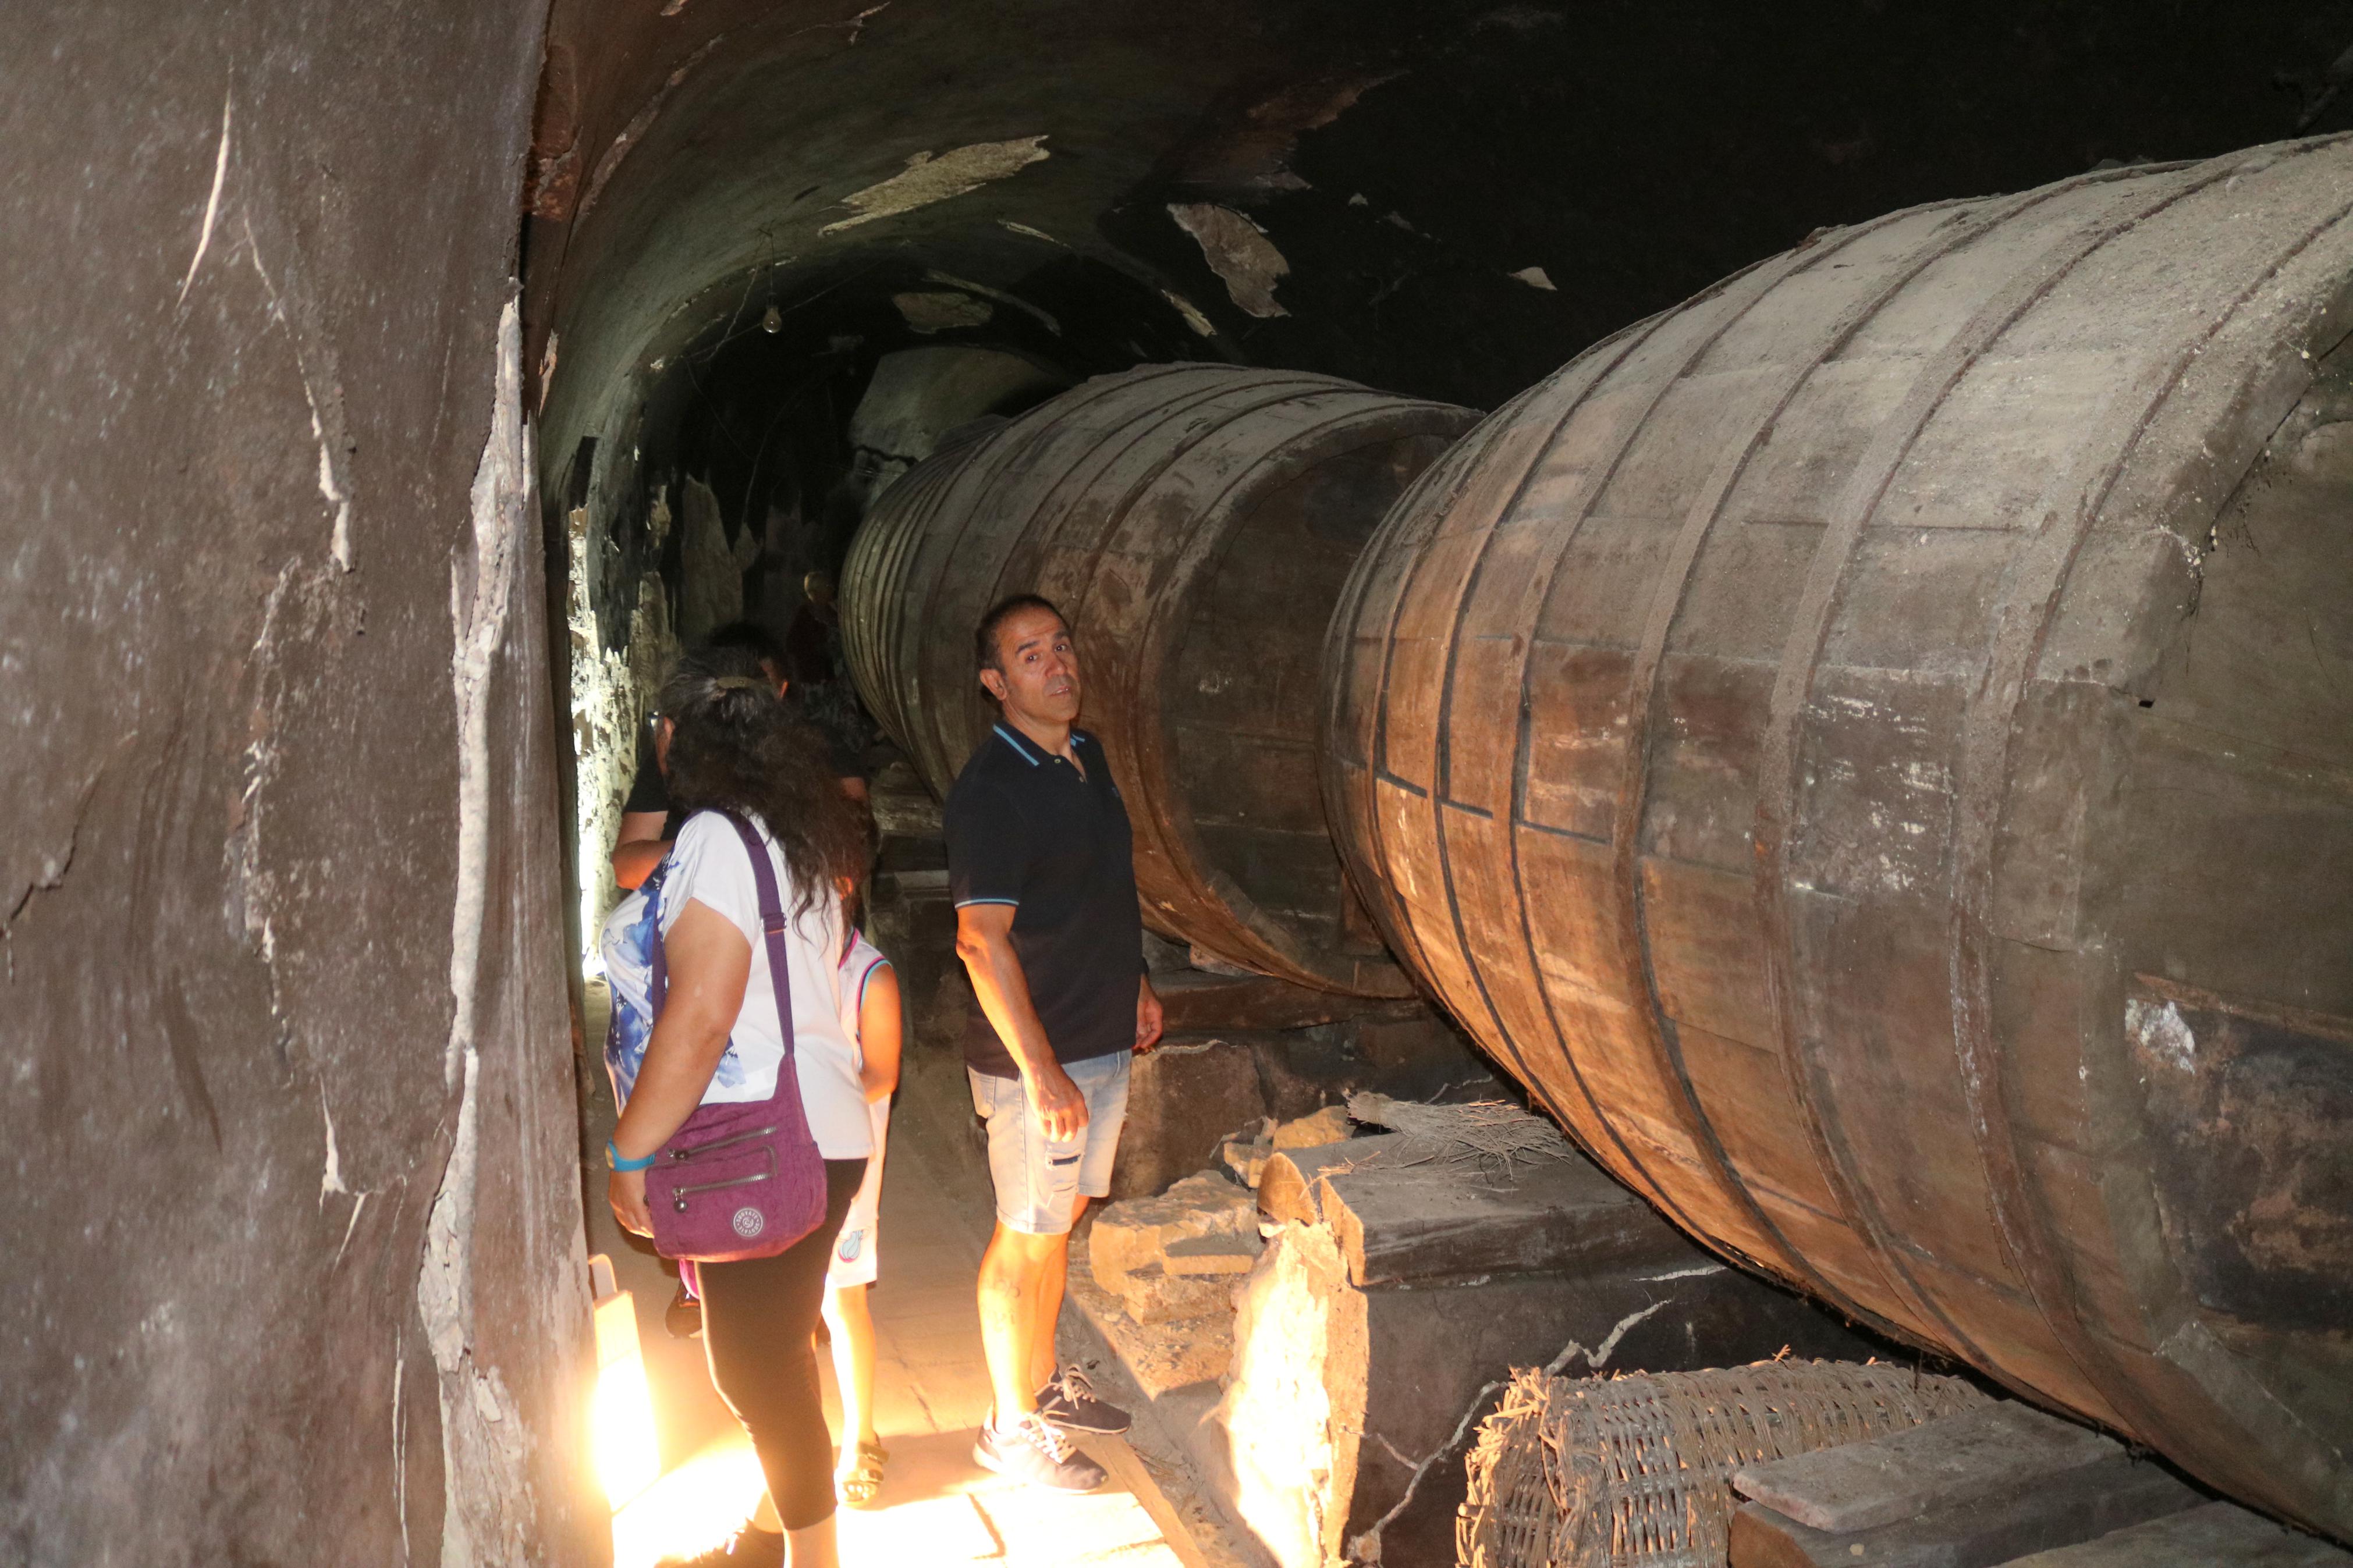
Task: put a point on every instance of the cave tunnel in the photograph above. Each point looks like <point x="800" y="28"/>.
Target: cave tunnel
<point x="397" y="388"/>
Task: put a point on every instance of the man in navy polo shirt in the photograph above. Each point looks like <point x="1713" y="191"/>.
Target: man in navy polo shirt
<point x="1047" y="922"/>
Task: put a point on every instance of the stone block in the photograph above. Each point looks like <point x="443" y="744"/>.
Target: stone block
<point x="1420" y="1054"/>
<point x="1395" y="1221"/>
<point x="2027" y="1514"/>
<point x="1163" y="957"/>
<point x="1287" y="1186"/>
<point x="1858" y="1485"/>
<point x="1223" y="1253"/>
<point x="1208" y="963"/>
<point x="1329" y="1125"/>
<point x="938" y="1026"/>
<point x="1246" y="1162"/>
<point x="1151" y="1294"/>
<point x="2211" y="1536"/>
<point x="1966" y="1491"/>
<point x="1341" y="1398"/>
<point x="1187" y="1098"/>
<point x="1162" y="1357"/>
<point x="1135" y="1233"/>
<point x="901" y="806"/>
<point x="1304" y="1070"/>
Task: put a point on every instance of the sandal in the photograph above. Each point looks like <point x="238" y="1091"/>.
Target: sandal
<point x="861" y="1482"/>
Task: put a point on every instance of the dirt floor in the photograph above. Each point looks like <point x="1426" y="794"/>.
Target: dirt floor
<point x="931" y="1390"/>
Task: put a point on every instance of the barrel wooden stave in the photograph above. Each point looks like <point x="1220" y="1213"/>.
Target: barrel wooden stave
<point x="1743" y="735"/>
<point x="1196" y="522"/>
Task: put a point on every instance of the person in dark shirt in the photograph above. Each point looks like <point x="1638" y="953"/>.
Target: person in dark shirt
<point x="813" y="639"/>
<point x="1041" y="863"/>
<point x="647" y="823"/>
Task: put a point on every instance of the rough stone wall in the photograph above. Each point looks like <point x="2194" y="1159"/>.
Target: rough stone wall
<point x="282" y="958"/>
<point x="615" y="685"/>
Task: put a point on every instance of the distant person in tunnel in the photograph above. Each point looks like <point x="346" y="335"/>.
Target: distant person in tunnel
<point x="734" y="746"/>
<point x="812" y="643"/>
<point x="1039" y="860"/>
<point x="819" y="673"/>
<point x="648" y="824"/>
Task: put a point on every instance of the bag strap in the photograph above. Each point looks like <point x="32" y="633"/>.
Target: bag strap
<point x="772" y="927"/>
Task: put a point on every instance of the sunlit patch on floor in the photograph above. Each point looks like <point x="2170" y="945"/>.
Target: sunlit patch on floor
<point x="694" y="1508"/>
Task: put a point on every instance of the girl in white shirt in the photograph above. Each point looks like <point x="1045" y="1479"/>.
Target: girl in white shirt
<point x="870" y="1009"/>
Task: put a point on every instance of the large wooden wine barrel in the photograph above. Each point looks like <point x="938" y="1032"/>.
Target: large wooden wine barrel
<point x="1871" y="749"/>
<point x="1196" y="522"/>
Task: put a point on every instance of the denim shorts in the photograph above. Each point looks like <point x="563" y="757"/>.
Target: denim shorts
<point x="1039" y="1181"/>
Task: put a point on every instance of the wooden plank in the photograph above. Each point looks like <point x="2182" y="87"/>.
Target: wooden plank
<point x="1858" y="1485"/>
<point x="2219" y="1535"/>
<point x="1397" y="1222"/>
<point x="1195" y="1001"/>
<point x="2030" y="1516"/>
<point x="1287" y="1188"/>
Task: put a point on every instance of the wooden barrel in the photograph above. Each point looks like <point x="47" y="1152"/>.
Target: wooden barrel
<point x="1871" y="749"/>
<point x="1196" y="522"/>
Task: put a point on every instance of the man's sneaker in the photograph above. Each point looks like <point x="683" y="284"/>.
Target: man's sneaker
<point x="750" y="1548"/>
<point x="1068" y="1402"/>
<point x="1034" y="1452"/>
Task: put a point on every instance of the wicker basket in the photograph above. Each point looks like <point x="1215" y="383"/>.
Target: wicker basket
<point x="1634" y="1471"/>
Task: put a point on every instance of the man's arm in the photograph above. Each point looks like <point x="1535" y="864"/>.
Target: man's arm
<point x="640" y="849"/>
<point x="985" y="942"/>
<point x="1147" y="1015"/>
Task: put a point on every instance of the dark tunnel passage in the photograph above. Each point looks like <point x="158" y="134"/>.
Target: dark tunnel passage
<point x="398" y="389"/>
<point x="772" y="254"/>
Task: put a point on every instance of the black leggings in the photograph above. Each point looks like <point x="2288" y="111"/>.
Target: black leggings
<point x="758" y="1318"/>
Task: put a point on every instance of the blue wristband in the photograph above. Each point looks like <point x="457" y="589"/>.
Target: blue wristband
<point x="622" y="1163"/>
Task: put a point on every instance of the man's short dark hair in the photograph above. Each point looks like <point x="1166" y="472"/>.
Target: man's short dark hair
<point x="984" y="641"/>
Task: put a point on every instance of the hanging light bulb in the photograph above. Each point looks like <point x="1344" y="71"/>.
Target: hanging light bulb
<point x="773" y="321"/>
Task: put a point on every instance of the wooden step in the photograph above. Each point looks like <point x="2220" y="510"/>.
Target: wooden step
<point x="2218" y="1535"/>
<point x="1969" y="1491"/>
<point x="1859" y="1485"/>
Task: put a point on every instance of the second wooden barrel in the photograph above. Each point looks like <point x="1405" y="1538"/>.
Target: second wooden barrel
<point x="1195" y="522"/>
<point x="1873" y="750"/>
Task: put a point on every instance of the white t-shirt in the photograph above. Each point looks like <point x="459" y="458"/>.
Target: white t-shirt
<point x="858" y="967"/>
<point x="708" y="866"/>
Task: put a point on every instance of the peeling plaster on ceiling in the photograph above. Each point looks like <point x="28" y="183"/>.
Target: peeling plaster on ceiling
<point x="1535" y="278"/>
<point x="927" y="179"/>
<point x="942" y="311"/>
<point x="1239" y="252"/>
<point x="1191" y="312"/>
<point x="1023" y="228"/>
<point x="1000" y="296"/>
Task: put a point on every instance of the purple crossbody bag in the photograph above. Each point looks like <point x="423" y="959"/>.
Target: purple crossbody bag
<point x="744" y="1179"/>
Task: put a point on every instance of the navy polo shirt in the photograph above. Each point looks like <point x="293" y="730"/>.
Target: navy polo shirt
<point x="1024" y="828"/>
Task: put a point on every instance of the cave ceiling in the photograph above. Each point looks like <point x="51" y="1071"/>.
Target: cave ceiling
<point x="1445" y="199"/>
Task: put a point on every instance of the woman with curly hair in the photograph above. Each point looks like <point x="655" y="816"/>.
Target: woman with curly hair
<point x="731" y="745"/>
